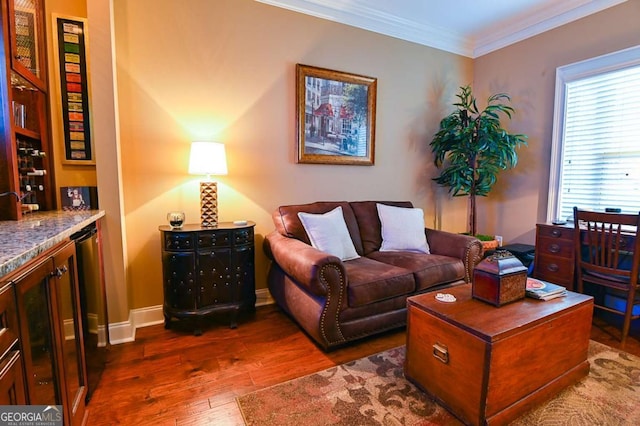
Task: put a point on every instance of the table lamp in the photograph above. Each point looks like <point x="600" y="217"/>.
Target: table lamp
<point x="208" y="158"/>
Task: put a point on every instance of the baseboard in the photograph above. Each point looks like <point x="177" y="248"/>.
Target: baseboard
<point x="94" y="328"/>
<point x="263" y="297"/>
<point x="125" y="331"/>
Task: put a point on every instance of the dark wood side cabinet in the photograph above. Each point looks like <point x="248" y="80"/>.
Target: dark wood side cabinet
<point x="208" y="270"/>
<point x="554" y="255"/>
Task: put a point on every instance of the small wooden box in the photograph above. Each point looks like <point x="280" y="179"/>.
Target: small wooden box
<point x="499" y="279"/>
<point x="490" y="366"/>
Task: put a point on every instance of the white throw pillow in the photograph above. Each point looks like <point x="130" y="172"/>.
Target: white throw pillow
<point x="402" y="229"/>
<point x="328" y="232"/>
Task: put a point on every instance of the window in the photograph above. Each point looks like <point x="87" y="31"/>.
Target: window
<point x="595" y="158"/>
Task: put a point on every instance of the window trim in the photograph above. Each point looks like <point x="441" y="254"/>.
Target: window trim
<point x="566" y="74"/>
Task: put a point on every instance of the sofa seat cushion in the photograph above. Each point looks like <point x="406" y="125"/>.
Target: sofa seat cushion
<point x="371" y="281"/>
<point x="429" y="270"/>
<point x="374" y="309"/>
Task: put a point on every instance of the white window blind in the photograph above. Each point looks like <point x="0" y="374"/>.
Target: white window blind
<point x="597" y="154"/>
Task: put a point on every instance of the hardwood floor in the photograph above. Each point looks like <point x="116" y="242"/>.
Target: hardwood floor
<point x="171" y="377"/>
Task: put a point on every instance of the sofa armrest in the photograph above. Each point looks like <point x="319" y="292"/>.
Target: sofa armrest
<point x="316" y="270"/>
<point x="464" y="247"/>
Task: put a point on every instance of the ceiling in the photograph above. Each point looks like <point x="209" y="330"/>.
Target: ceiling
<point x="466" y="27"/>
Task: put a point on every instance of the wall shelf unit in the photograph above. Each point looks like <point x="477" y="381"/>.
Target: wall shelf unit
<point x="26" y="165"/>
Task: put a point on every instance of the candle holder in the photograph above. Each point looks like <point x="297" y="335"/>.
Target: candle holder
<point x="176" y="219"/>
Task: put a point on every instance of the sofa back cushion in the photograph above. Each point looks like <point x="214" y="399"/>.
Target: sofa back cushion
<point x="402" y="229"/>
<point x="288" y="223"/>
<point x="328" y="232"/>
<point x="366" y="214"/>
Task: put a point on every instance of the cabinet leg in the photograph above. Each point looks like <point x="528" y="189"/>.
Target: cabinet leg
<point x="234" y="320"/>
<point x="197" y="331"/>
<point x="167" y="322"/>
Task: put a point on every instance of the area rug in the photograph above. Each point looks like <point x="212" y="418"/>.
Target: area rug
<point x="373" y="391"/>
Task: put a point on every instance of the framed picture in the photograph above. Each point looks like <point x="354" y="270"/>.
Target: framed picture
<point x="79" y="197"/>
<point x="71" y="60"/>
<point x="336" y="116"/>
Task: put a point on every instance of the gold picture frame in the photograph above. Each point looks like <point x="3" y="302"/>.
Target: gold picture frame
<point x="335" y="116"/>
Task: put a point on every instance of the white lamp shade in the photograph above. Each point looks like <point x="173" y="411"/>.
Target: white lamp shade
<point x="207" y="158"/>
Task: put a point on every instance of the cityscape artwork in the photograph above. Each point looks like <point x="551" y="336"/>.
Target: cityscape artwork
<point x="335" y="116"/>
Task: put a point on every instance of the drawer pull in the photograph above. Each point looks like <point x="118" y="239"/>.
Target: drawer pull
<point x="441" y="353"/>
<point x="554" y="248"/>
<point x="556" y="233"/>
<point x="553" y="267"/>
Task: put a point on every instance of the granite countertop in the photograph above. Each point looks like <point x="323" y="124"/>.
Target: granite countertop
<point x="22" y="240"/>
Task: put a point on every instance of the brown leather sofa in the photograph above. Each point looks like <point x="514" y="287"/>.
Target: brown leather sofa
<point x="338" y="301"/>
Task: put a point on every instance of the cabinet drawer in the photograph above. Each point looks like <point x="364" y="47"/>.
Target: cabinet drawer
<point x="178" y="266"/>
<point x="8" y="319"/>
<point x="243" y="236"/>
<point x="12" y="391"/>
<point x="556" y="232"/>
<point x="213" y="239"/>
<point x="555" y="247"/>
<point x="178" y="241"/>
<point x="556" y="270"/>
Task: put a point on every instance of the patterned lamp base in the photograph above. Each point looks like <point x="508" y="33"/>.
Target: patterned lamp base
<point x="208" y="204"/>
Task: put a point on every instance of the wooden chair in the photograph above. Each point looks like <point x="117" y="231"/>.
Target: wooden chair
<point x="607" y="252"/>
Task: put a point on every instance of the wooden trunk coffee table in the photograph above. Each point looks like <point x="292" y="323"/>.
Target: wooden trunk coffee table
<point x="488" y="365"/>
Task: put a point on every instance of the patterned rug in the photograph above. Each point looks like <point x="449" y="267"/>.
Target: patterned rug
<point x="373" y="391"/>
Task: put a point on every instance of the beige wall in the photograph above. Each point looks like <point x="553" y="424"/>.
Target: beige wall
<point x="224" y="70"/>
<point x="526" y="70"/>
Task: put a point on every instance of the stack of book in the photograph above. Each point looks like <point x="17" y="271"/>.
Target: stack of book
<point x="543" y="290"/>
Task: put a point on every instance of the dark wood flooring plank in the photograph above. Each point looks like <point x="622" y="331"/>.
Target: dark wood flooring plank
<point x="169" y="377"/>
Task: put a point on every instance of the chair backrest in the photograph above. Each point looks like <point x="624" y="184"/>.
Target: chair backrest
<point x="607" y="245"/>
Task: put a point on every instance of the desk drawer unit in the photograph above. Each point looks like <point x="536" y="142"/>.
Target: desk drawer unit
<point x="554" y="255"/>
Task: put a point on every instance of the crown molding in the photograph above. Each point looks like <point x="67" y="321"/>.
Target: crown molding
<point x="379" y="22"/>
<point x="553" y="16"/>
<point x="361" y="16"/>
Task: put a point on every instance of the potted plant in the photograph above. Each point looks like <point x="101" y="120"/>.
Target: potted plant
<point x="471" y="147"/>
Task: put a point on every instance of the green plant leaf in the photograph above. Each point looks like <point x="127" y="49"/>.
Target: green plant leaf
<point x="471" y="146"/>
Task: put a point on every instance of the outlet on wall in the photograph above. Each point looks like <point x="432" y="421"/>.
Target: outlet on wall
<point x="499" y="240"/>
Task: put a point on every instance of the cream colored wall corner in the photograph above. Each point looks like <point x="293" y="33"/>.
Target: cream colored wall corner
<point x="106" y="132"/>
<point x="526" y="70"/>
